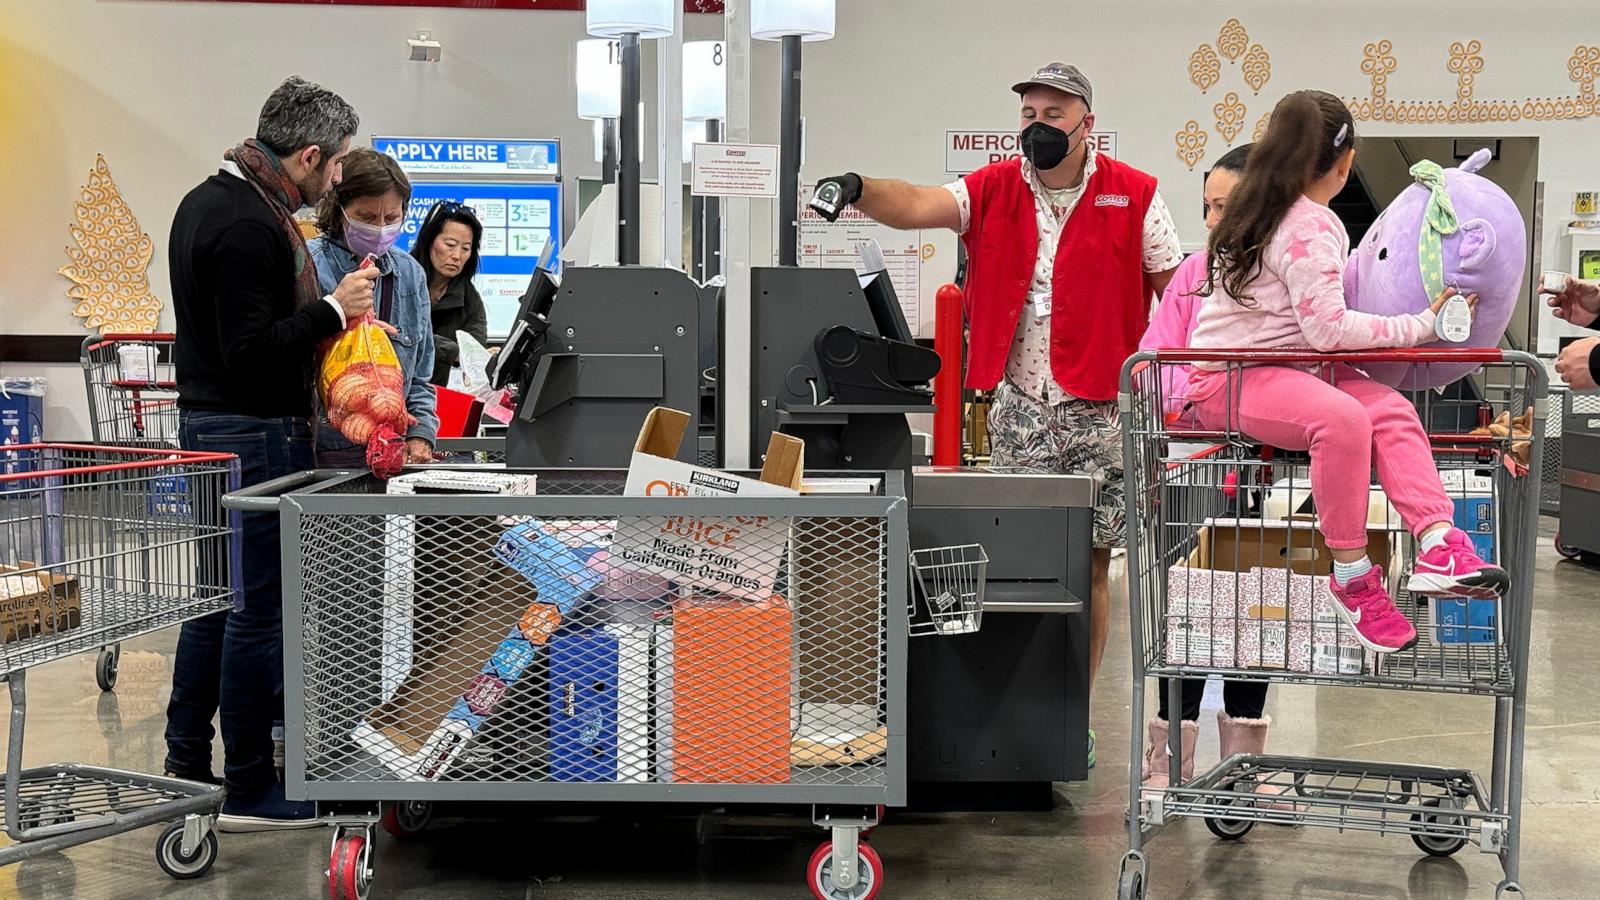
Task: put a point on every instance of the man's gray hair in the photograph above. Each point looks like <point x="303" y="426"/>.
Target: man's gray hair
<point x="301" y="113"/>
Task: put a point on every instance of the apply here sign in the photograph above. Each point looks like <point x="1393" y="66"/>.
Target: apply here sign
<point x="969" y="151"/>
<point x="440" y="156"/>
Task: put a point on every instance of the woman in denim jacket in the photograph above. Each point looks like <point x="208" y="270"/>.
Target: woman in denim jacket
<point x="362" y="217"/>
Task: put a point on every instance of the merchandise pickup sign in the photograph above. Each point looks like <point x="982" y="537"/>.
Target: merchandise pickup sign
<point x="969" y="151"/>
<point x="735" y="170"/>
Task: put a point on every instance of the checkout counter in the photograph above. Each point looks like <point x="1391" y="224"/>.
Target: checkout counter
<point x="995" y="717"/>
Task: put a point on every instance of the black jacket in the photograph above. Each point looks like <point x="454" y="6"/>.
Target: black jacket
<point x="242" y="347"/>
<point x="460" y="309"/>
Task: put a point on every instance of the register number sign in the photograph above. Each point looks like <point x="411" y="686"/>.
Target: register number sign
<point x="969" y="151"/>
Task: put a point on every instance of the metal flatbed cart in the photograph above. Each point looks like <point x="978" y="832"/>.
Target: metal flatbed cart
<point x="561" y="642"/>
<point x="1227" y="577"/>
<point x="99" y="545"/>
<point x="133" y="402"/>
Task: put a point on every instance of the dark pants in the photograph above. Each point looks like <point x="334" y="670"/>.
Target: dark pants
<point x="1241" y="699"/>
<point x="233" y="661"/>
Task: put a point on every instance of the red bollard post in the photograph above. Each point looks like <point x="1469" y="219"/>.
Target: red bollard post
<point x="948" y="341"/>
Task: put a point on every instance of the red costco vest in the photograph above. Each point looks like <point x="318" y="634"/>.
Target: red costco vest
<point x="1100" y="303"/>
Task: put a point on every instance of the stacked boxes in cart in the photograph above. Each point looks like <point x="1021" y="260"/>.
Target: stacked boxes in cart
<point x="635" y="656"/>
<point x="1258" y="619"/>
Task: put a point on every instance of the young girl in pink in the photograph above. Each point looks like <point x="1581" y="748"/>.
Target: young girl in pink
<point x="1275" y="281"/>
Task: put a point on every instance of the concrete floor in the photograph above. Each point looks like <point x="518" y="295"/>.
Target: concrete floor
<point x="1070" y="852"/>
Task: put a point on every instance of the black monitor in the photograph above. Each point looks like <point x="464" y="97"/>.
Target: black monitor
<point x="884" y="304"/>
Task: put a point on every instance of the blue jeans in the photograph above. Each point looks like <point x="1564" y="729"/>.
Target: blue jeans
<point x="233" y="661"/>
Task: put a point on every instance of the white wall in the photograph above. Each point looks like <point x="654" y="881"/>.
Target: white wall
<point x="162" y="88"/>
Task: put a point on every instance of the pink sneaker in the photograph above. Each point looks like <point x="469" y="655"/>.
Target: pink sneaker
<point x="1366" y="607"/>
<point x="1452" y="569"/>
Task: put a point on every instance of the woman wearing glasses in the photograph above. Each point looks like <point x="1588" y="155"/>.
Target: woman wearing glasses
<point x="447" y="246"/>
<point x="362" y="216"/>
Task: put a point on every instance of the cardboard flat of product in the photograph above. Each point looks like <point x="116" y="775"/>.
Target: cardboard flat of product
<point x="1294" y="543"/>
<point x="470" y="627"/>
<point x="734" y="555"/>
<point x="37" y="603"/>
<point x="731" y="691"/>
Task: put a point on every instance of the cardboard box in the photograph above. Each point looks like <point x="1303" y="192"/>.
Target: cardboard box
<point x="456" y="481"/>
<point x="1244" y="544"/>
<point x="1456" y="621"/>
<point x="36" y="603"/>
<point x="1202" y="611"/>
<point x="421" y="729"/>
<point x="734" y="555"/>
<point x="1475" y="515"/>
<point x="732" y="691"/>
<point x="583" y="705"/>
<point x="553" y="568"/>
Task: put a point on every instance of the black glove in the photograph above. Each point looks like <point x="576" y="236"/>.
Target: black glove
<point x="833" y="194"/>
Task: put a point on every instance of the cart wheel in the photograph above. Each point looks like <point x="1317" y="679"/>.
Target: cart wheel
<point x="1508" y="889"/>
<point x="1437" y="846"/>
<point x="1566" y="550"/>
<point x="170" y="856"/>
<point x="1132" y="885"/>
<point x="105" y="669"/>
<point x="349" y="870"/>
<point x="1229" y="829"/>
<point x="407" y="819"/>
<point x="869" y="874"/>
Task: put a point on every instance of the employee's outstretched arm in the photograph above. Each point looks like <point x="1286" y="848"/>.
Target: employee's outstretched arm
<point x="898" y="204"/>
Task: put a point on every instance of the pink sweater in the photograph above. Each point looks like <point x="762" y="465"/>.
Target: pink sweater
<point x="1298" y="299"/>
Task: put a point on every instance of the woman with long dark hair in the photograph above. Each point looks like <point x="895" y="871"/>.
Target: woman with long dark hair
<point x="447" y="248"/>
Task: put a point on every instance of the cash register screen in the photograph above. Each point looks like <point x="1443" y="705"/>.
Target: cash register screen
<point x="885" y="307"/>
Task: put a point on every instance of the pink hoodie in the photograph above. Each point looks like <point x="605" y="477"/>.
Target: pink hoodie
<point x="1169" y="329"/>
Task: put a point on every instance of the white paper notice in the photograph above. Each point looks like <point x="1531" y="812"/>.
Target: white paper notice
<point x="735" y="170"/>
<point x="837" y="245"/>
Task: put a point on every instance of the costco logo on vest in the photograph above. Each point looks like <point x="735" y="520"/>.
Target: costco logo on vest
<point x="1111" y="200"/>
<point x="968" y="151"/>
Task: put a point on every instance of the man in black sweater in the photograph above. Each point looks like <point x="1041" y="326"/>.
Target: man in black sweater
<point x="1579" y="303"/>
<point x="249" y="319"/>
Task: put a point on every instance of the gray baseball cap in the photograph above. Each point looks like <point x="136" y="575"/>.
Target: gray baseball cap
<point x="1062" y="77"/>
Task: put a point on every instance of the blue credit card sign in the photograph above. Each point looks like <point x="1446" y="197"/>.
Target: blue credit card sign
<point x="449" y="156"/>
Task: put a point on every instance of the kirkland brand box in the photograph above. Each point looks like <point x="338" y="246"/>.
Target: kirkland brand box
<point x="733" y="555"/>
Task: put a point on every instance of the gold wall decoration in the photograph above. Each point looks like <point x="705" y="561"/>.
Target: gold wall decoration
<point x="1191" y="142"/>
<point x="1232" y="40"/>
<point x="1257" y="68"/>
<point x="1466" y="62"/>
<point x="109" y="267"/>
<point x="1205" y="69"/>
<point x="1230" y="114"/>
<point x="1261" y="126"/>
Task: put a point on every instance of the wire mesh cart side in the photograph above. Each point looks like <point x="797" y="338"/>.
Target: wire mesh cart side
<point x="544" y="638"/>
<point x="99" y="545"/>
<point x="133" y="402"/>
<point x="1228" y="576"/>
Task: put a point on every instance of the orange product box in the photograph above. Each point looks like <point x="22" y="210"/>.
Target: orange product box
<point x="732" y="691"/>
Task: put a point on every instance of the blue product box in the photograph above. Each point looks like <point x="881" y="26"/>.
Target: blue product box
<point x="169" y="497"/>
<point x="513" y="656"/>
<point x="1475" y="515"/>
<point x="583" y="706"/>
<point x="555" y="571"/>
<point x="21" y="422"/>
<point x="1458" y="620"/>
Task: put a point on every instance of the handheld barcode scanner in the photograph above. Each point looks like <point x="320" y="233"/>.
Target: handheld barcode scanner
<point x="828" y="200"/>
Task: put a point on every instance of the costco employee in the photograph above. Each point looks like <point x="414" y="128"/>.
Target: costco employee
<point x="1066" y="250"/>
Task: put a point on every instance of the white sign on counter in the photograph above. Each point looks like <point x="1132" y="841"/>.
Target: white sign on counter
<point x="969" y="151"/>
<point x="735" y="170"/>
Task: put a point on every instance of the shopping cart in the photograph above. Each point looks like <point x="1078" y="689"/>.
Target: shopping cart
<point x="99" y="545"/>
<point x="568" y="647"/>
<point x="1227" y="577"/>
<point x="133" y="402"/>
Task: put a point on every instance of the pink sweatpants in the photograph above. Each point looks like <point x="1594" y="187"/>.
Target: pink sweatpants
<point x="1344" y="423"/>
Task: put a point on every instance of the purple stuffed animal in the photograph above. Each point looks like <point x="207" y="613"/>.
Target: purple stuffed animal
<point x="1481" y="240"/>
